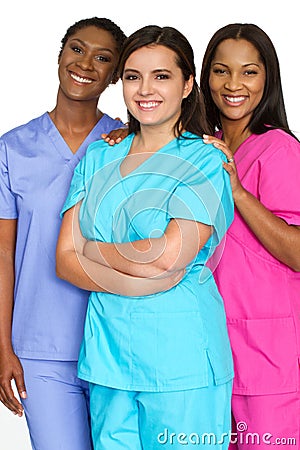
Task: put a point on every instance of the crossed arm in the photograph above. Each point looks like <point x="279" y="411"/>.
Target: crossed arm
<point x="153" y="257"/>
<point x="135" y="268"/>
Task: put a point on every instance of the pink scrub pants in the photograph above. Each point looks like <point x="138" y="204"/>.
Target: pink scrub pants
<point x="266" y="421"/>
<point x="57" y="406"/>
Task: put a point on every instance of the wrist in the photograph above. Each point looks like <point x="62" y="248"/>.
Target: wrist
<point x="240" y="195"/>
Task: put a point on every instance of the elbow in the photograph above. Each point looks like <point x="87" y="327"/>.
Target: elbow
<point x="59" y="272"/>
<point x="296" y="266"/>
<point x="169" y="262"/>
<point x="292" y="260"/>
<point x="60" y="267"/>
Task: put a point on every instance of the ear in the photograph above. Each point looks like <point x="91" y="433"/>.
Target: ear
<point x="188" y="86"/>
<point x="115" y="77"/>
<point x="114" y="80"/>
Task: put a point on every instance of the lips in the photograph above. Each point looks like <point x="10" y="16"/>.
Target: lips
<point x="80" y="79"/>
<point x="234" y="99"/>
<point x="148" y="106"/>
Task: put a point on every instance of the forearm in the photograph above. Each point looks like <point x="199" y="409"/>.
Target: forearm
<point x="143" y="258"/>
<point x="8" y="229"/>
<point x="6" y="300"/>
<point x="73" y="266"/>
<point x="86" y="274"/>
<point x="279" y="238"/>
<point x="178" y="246"/>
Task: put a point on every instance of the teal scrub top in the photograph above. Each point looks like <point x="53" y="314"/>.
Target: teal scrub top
<point x="161" y="342"/>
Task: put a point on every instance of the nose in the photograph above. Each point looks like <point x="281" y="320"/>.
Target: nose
<point x="145" y="86"/>
<point x="233" y="83"/>
<point x="86" y="62"/>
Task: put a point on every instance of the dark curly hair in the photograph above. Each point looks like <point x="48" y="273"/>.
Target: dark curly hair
<point x="99" y="22"/>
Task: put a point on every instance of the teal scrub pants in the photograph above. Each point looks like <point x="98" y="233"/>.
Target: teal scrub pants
<point x="129" y="420"/>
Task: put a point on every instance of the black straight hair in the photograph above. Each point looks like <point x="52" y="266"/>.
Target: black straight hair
<point x="270" y="113"/>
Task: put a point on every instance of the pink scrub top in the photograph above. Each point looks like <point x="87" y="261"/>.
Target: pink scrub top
<point x="262" y="295"/>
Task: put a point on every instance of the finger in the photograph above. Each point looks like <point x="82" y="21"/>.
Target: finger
<point x="20" y="384"/>
<point x="227" y="152"/>
<point x="208" y="137"/>
<point x="9" y="400"/>
<point x="229" y="168"/>
<point x="211" y="140"/>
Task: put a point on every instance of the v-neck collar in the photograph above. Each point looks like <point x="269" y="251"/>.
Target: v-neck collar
<point x="148" y="160"/>
<point x="60" y="144"/>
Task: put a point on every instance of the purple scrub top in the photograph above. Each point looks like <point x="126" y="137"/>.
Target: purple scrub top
<point x="36" y="167"/>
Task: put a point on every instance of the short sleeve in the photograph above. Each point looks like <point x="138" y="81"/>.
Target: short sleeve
<point x="205" y="196"/>
<point x="8" y="207"/>
<point x="77" y="189"/>
<point x="279" y="182"/>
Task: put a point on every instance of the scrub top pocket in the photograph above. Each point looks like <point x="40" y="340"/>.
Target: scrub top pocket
<point x="264" y="355"/>
<point x="168" y="351"/>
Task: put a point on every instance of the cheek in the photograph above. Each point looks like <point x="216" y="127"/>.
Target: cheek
<point x="126" y="93"/>
<point x="214" y="91"/>
<point x="214" y="86"/>
<point x="105" y="76"/>
<point x="128" y="96"/>
<point x="258" y="91"/>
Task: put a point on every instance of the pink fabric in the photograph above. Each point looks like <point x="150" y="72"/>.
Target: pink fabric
<point x="261" y="295"/>
<point x="263" y="421"/>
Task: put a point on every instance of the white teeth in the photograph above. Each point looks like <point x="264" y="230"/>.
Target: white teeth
<point x="235" y="99"/>
<point x="149" y="104"/>
<point x="80" y="79"/>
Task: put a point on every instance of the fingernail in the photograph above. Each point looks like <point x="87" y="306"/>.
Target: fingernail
<point x="23" y="394"/>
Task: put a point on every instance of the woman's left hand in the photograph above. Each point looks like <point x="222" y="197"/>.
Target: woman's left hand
<point x="229" y="166"/>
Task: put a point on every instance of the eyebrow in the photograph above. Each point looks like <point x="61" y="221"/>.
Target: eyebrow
<point x="128" y="69"/>
<point x="99" y="49"/>
<point x="244" y="65"/>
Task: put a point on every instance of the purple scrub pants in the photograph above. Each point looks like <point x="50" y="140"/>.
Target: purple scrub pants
<point x="57" y="406"/>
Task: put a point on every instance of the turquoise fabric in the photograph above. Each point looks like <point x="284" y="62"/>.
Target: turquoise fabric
<point x="160" y="342"/>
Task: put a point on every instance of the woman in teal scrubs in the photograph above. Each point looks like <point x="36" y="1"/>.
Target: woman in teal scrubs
<point x="159" y="363"/>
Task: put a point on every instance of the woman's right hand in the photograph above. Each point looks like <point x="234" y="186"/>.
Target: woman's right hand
<point x="11" y="370"/>
<point x="229" y="166"/>
<point x="115" y="136"/>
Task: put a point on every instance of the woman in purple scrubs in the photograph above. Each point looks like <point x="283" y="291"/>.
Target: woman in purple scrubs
<point x="41" y="316"/>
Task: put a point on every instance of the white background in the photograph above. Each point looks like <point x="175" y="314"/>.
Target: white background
<point x="30" y="35"/>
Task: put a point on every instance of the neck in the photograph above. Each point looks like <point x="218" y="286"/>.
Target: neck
<point x="75" y="115"/>
<point x="234" y="134"/>
<point x="151" y="139"/>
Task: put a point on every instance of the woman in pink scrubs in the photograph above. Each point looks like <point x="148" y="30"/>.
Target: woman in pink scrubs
<point x="258" y="270"/>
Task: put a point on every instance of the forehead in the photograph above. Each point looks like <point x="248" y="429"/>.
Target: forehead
<point x="239" y="50"/>
<point x="95" y="36"/>
<point x="152" y="57"/>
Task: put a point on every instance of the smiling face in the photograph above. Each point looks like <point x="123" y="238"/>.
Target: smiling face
<point x="237" y="80"/>
<point x="154" y="86"/>
<point x="87" y="63"/>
